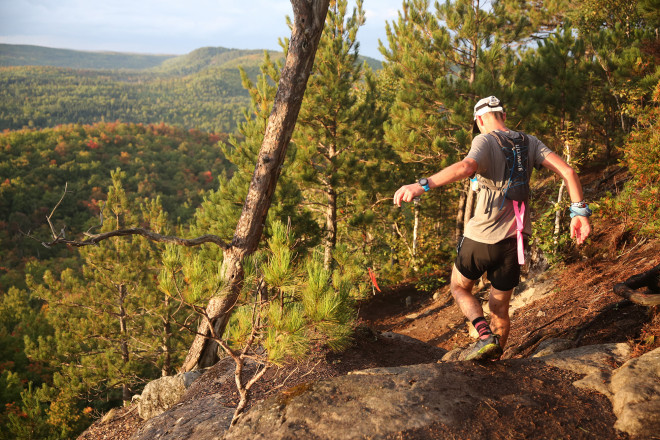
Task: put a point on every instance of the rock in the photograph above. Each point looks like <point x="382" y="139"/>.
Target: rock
<point x="550" y="346"/>
<point x="202" y="419"/>
<point x="589" y="358"/>
<point x="413" y="343"/>
<point x="392" y="336"/>
<point x="472" y="332"/>
<point x="388" y="403"/>
<point x="523" y="295"/>
<point x="633" y="389"/>
<point x="217" y="375"/>
<point x="635" y="397"/>
<point x="160" y="394"/>
<point x="109" y="415"/>
<point x="452" y="355"/>
<point x="408" y="301"/>
<point x="598" y="381"/>
<point x="386" y="400"/>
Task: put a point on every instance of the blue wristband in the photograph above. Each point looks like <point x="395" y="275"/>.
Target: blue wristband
<point x="580" y="211"/>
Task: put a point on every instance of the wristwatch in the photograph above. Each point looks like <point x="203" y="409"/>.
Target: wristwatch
<point x="424" y="183"/>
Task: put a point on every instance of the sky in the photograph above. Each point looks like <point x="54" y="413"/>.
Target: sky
<point x="173" y="27"/>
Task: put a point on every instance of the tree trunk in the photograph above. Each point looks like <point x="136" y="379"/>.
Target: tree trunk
<point x="649" y="279"/>
<point x="461" y="211"/>
<point x="166" y="340"/>
<point x="123" y="331"/>
<point x="308" y="22"/>
<point x="330" y="227"/>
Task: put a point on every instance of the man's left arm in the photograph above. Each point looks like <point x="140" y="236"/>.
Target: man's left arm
<point x="580" y="227"/>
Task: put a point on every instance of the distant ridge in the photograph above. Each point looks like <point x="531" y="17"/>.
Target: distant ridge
<point x="204" y="57"/>
<point x="26" y="55"/>
<point x="193" y="62"/>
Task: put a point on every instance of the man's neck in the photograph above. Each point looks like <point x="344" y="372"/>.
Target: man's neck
<point x="494" y="127"/>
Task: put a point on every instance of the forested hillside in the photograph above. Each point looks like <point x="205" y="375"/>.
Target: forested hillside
<point x="161" y="161"/>
<point x="42" y="87"/>
<point x="82" y="330"/>
<point x="193" y="91"/>
<point x="39" y="97"/>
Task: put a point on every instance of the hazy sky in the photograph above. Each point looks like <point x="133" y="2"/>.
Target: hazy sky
<point x="167" y="26"/>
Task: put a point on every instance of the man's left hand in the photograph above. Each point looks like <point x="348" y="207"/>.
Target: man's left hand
<point x="580" y="228"/>
<point x="407" y="193"/>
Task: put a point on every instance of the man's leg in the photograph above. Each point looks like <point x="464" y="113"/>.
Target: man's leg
<point x="487" y="346"/>
<point x="461" y="289"/>
<point x="498" y="302"/>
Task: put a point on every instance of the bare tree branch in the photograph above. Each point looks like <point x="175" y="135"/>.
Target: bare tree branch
<point x="66" y="184"/>
<point x="94" y="239"/>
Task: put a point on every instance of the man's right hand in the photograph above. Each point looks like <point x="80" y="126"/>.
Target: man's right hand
<point x="407" y="193"/>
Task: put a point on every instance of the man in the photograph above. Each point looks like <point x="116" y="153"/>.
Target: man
<point x="493" y="242"/>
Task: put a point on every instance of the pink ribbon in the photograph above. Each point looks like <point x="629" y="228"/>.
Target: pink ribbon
<point x="520" y="223"/>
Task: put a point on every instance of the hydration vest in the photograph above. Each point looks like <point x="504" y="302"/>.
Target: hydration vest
<point x="516" y="180"/>
<point x="516" y="152"/>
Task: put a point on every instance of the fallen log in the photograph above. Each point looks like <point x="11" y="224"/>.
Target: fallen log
<point x="649" y="280"/>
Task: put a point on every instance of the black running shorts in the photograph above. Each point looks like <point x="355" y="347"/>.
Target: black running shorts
<point x="499" y="261"/>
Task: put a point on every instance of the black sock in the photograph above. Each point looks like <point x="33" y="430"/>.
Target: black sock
<point x="481" y="325"/>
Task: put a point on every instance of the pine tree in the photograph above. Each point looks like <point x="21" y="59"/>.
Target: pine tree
<point x="112" y="327"/>
<point x="337" y="127"/>
<point x="288" y="304"/>
<point x="621" y="39"/>
<point x="20" y="318"/>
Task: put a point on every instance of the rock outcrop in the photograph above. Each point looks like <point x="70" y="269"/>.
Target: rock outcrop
<point x="383" y="402"/>
<point x="203" y="419"/>
<point x="634" y="389"/>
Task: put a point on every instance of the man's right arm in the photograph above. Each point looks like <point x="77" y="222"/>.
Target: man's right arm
<point x="453" y="173"/>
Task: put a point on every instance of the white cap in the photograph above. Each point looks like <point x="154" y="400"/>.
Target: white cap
<point x="487" y="105"/>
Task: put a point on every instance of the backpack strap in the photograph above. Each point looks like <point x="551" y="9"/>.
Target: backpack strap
<point x="519" y="211"/>
<point x="506" y="142"/>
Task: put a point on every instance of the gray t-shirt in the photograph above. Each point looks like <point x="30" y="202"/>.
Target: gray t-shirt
<point x="494" y="219"/>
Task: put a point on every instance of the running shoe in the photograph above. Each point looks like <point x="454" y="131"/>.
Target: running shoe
<point x="485" y="349"/>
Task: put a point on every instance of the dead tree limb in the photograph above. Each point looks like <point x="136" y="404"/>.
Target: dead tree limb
<point x="649" y="279"/>
<point x="93" y="239"/>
